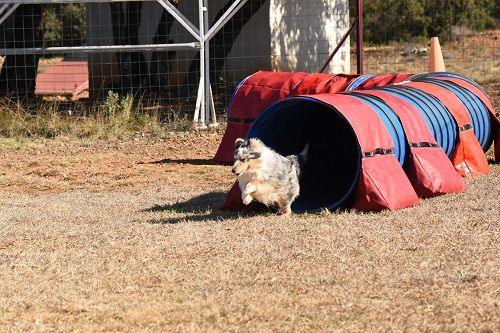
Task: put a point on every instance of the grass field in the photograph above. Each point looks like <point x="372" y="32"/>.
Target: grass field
<point x="127" y="236"/>
<point x="104" y="232"/>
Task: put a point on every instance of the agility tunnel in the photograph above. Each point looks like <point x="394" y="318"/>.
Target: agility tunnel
<point x="258" y="91"/>
<point x="383" y="147"/>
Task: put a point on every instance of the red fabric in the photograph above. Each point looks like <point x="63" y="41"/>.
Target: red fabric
<point x="264" y="88"/>
<point x="383" y="80"/>
<point x="319" y="83"/>
<point x="233" y="131"/>
<point x="261" y="90"/>
<point x="494" y="116"/>
<point x="416" y="129"/>
<point x="370" y="130"/>
<point x="428" y="169"/>
<point x="254" y="95"/>
<point x="383" y="183"/>
<point x="431" y="172"/>
<point x="468" y="157"/>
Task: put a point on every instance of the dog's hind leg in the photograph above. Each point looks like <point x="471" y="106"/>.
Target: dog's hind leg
<point x="284" y="207"/>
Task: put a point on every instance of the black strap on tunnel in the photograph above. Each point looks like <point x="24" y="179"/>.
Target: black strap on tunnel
<point x="378" y="151"/>
<point x="465" y="127"/>
<point x="239" y="120"/>
<point x="424" y="145"/>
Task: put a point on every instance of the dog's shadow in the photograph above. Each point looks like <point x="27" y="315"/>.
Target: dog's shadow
<point x="201" y="208"/>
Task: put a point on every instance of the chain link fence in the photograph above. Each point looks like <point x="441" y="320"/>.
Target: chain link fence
<point x="397" y="37"/>
<point x="72" y="50"/>
<point x="80" y="50"/>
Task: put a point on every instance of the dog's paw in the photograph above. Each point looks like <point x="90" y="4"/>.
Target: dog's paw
<point x="247" y="199"/>
<point x="250" y="188"/>
<point x="287" y="211"/>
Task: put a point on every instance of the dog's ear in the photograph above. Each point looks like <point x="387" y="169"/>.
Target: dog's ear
<point x="238" y="143"/>
<point x="255" y="145"/>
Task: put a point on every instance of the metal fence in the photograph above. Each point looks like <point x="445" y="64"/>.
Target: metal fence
<point x="397" y="36"/>
<point x="179" y="55"/>
<point x="187" y="56"/>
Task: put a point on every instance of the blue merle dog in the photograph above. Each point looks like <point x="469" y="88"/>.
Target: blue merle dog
<point x="266" y="176"/>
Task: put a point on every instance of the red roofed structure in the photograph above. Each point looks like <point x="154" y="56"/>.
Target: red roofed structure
<point x="63" y="78"/>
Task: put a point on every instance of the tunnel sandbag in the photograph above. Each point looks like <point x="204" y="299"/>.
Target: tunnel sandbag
<point x="351" y="162"/>
<point x="468" y="157"/>
<point x="428" y="168"/>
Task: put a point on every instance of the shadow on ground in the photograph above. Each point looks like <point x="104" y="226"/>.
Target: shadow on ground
<point x="197" y="209"/>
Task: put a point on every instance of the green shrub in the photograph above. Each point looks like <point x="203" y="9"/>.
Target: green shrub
<point x="403" y="20"/>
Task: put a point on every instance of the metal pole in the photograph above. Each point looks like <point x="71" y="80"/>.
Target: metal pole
<point x="3" y="8"/>
<point x="100" y="48"/>
<point x="7" y="14"/>
<point x="233" y="9"/>
<point x="359" y="37"/>
<point x="203" y="105"/>
<point x="208" y="95"/>
<point x="180" y="18"/>
<point x="342" y="41"/>
<point x="42" y="2"/>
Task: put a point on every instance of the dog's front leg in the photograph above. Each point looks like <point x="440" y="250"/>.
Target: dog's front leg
<point x="246" y="196"/>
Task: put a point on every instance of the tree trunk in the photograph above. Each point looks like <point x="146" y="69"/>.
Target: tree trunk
<point x="159" y="70"/>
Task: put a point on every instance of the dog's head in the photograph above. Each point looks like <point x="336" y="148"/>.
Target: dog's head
<point x="247" y="154"/>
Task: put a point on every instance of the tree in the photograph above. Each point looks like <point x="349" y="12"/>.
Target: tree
<point x="399" y="20"/>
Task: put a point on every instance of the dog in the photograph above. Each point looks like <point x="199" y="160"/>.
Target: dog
<point x="266" y="176"/>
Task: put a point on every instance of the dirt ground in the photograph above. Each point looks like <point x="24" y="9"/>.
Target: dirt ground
<point x="127" y="237"/>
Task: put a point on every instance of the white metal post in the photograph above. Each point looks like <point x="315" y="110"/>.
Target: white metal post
<point x="9" y="11"/>
<point x="207" y="89"/>
<point x="203" y="104"/>
<point x="221" y="22"/>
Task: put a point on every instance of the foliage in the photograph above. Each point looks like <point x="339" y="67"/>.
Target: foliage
<point x="64" y="25"/>
<point x="401" y="20"/>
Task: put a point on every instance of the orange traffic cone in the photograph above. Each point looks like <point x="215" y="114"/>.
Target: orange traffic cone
<point x="436" y="62"/>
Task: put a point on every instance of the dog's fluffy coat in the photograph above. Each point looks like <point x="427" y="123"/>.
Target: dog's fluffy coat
<point x="266" y="176"/>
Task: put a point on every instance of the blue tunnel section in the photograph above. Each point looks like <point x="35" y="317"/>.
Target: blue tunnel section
<point x="437" y="118"/>
<point x="330" y="176"/>
<point x="478" y="112"/>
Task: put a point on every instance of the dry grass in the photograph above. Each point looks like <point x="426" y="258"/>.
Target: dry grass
<point x="126" y="236"/>
<point x="150" y="252"/>
<point x="117" y="118"/>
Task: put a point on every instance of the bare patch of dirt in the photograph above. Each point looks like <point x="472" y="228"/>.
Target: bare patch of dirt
<point x="55" y="166"/>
